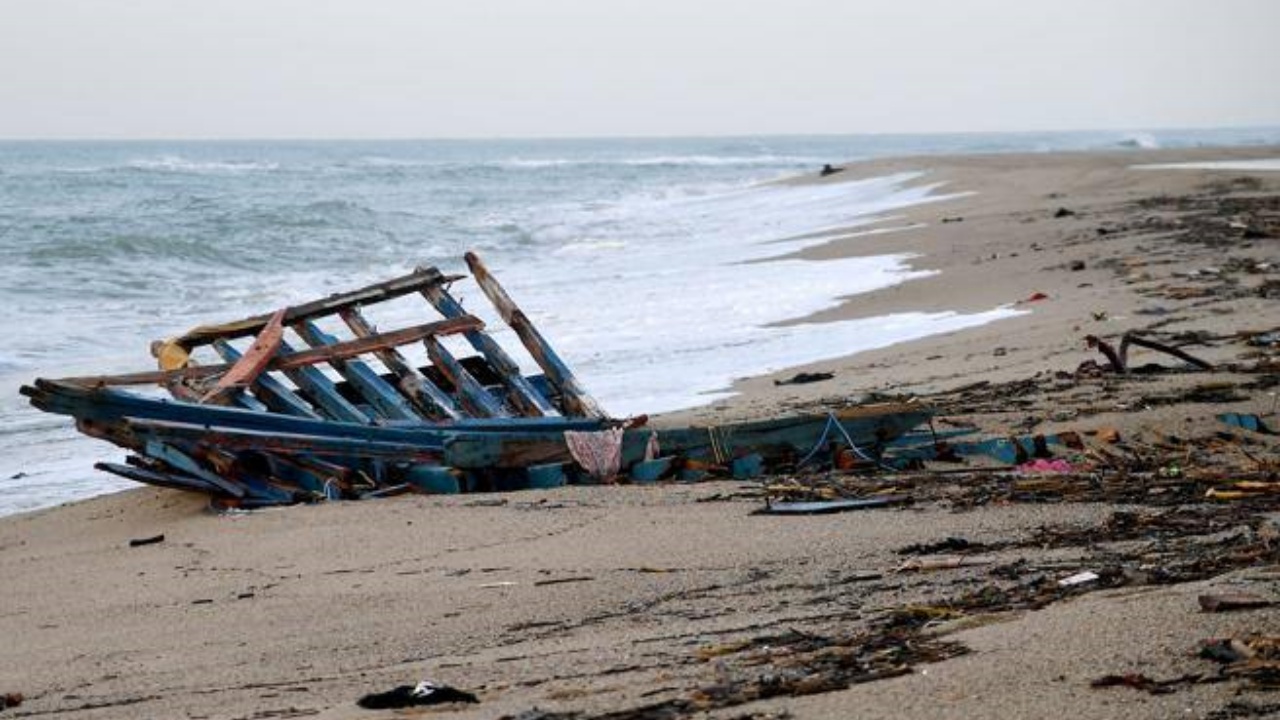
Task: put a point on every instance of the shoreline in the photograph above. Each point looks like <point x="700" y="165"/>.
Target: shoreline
<point x="1005" y="247"/>
<point x="584" y="601"/>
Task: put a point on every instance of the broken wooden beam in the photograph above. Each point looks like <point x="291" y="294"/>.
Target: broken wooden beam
<point x="523" y="395"/>
<point x="473" y="397"/>
<point x="378" y="393"/>
<point x="576" y="399"/>
<point x="1119" y="359"/>
<point x="396" y="287"/>
<point x="252" y="363"/>
<point x="303" y="358"/>
<point x="268" y="390"/>
<point x="429" y="399"/>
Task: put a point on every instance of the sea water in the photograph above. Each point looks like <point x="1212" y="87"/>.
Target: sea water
<point x="661" y="269"/>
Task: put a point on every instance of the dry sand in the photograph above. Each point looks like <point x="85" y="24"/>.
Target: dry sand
<point x="590" y="600"/>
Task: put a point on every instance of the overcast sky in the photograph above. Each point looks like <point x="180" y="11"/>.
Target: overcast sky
<point x="483" y="68"/>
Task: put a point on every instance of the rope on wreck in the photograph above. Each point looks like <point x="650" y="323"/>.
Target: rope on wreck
<point x="717" y="446"/>
<point x="832" y="420"/>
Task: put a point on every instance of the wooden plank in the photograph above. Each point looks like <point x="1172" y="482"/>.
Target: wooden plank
<point x="110" y="406"/>
<point x="249" y="402"/>
<point x="471" y="394"/>
<point x="778" y="440"/>
<point x="272" y="393"/>
<point x="523" y="395"/>
<point x="259" y="482"/>
<point x="252" y="363"/>
<point x="575" y="397"/>
<point x="238" y="439"/>
<point x="159" y="479"/>
<point x="325" y="394"/>
<point x="825" y="507"/>
<point x="317" y="473"/>
<point x="433" y="402"/>
<point x="396" y="287"/>
<point x="314" y="356"/>
<point x="181" y="461"/>
<point x="383" y="398"/>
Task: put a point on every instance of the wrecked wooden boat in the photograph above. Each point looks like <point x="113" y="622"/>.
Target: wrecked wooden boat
<point x="313" y="401"/>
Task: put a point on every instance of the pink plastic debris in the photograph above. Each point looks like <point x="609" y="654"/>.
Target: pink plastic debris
<point x="1042" y="465"/>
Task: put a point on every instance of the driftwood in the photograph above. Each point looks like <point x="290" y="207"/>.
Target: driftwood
<point x="1119" y="359"/>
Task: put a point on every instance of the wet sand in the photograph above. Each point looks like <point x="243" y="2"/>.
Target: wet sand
<point x="670" y="600"/>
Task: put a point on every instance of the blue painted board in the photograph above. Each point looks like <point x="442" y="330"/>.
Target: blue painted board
<point x="471" y="394"/>
<point x="523" y="394"/>
<point x="322" y="390"/>
<point x="381" y="396"/>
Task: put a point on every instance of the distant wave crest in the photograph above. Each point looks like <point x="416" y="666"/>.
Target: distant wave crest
<point x="661" y="161"/>
<point x="177" y="164"/>
<point x="589" y="246"/>
<point x="1139" y="140"/>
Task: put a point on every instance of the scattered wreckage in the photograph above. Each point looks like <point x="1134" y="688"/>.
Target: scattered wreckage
<point x="313" y="401"/>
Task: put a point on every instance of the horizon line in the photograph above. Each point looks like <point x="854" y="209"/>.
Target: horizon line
<point x="690" y="136"/>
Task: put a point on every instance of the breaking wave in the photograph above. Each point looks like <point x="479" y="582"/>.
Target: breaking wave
<point x="660" y="161"/>
<point x="181" y="165"/>
<point x="1139" y="140"/>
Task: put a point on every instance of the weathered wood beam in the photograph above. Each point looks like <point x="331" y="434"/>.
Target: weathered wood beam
<point x="238" y="439"/>
<point x="429" y="399"/>
<point x="252" y="363"/>
<point x="380" y="395"/>
<point x="179" y="460"/>
<point x="322" y="390"/>
<point x="471" y="394"/>
<point x="524" y="396"/>
<point x="268" y="390"/>
<point x="304" y="358"/>
<point x="576" y="399"/>
<point x="404" y="285"/>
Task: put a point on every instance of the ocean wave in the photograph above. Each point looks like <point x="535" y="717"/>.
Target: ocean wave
<point x="517" y="162"/>
<point x="180" y="165"/>
<point x="660" y="161"/>
<point x="380" y="161"/>
<point x="1139" y="140"/>
<point x="333" y="214"/>
<point x="583" y="247"/>
<point x="722" y="160"/>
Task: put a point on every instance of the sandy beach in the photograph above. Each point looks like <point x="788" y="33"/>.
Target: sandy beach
<point x="676" y="600"/>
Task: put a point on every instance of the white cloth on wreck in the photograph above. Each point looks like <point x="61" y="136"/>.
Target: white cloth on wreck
<point x="599" y="453"/>
<point x="651" y="448"/>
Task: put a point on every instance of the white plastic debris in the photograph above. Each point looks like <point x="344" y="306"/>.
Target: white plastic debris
<point x="1079" y="578"/>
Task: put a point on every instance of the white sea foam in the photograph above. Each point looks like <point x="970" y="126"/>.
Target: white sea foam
<point x="178" y="164"/>
<point x="378" y="161"/>
<point x="665" y="161"/>
<point x="589" y="246"/>
<point x="661" y="303"/>
<point x="722" y="160"/>
<point x="1142" y="140"/>
<point x="1261" y="164"/>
